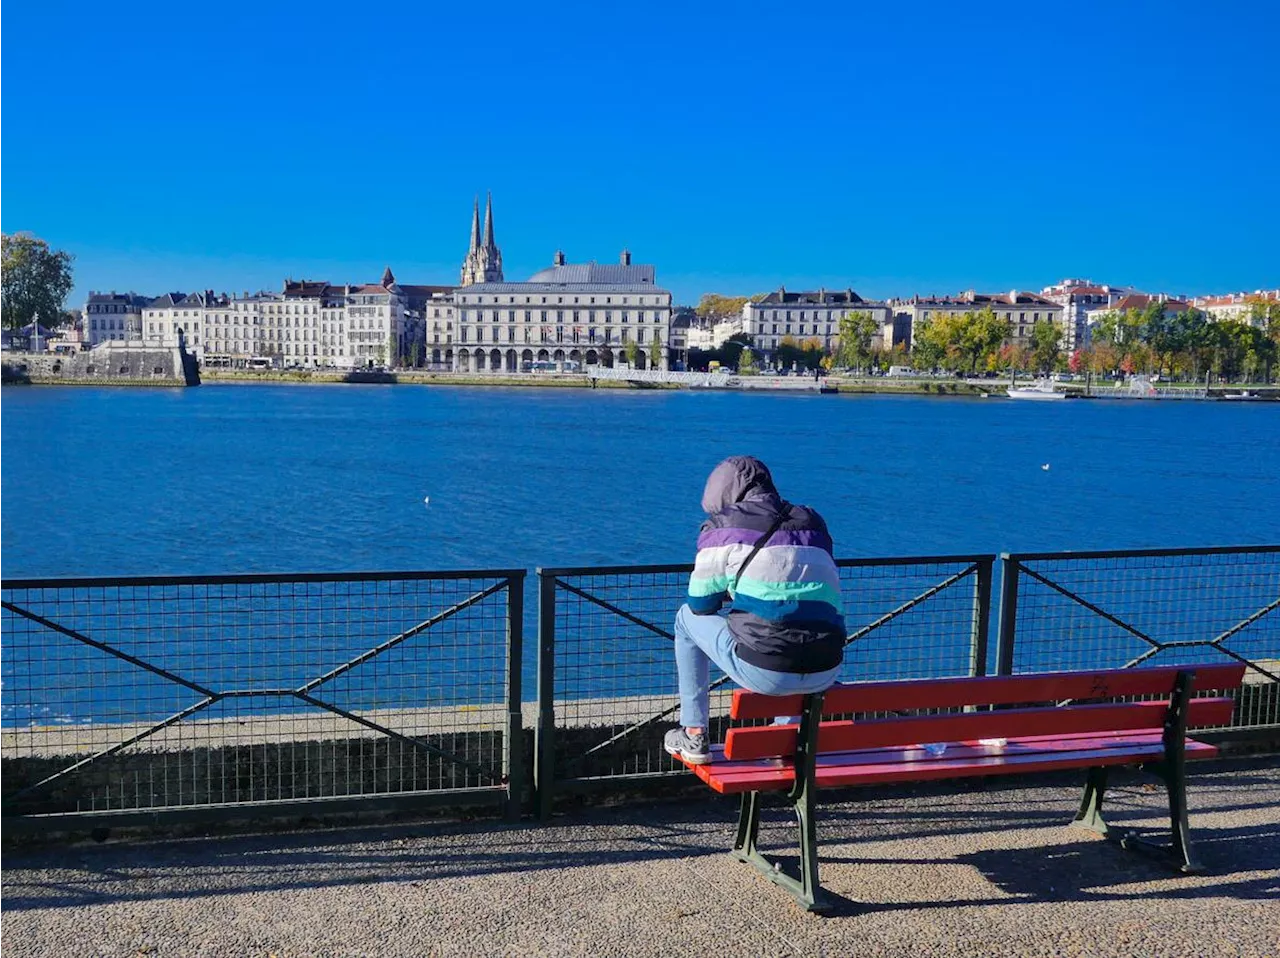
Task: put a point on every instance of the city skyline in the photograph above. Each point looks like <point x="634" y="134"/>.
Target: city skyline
<point x="938" y="153"/>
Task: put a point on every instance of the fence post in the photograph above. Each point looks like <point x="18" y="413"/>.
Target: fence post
<point x="544" y="745"/>
<point x="513" y="739"/>
<point x="1008" y="613"/>
<point x="981" y="616"/>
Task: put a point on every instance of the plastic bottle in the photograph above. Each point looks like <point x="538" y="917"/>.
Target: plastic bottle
<point x="994" y="742"/>
<point x="936" y="749"/>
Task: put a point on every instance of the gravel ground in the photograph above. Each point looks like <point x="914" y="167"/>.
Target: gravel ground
<point x="969" y="869"/>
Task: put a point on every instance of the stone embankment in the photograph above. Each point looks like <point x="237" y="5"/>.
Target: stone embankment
<point x="105" y="365"/>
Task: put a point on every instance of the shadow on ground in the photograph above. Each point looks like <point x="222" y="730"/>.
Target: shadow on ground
<point x="415" y="854"/>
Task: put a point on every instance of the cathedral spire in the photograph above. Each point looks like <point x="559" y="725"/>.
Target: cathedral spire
<point x="483" y="263"/>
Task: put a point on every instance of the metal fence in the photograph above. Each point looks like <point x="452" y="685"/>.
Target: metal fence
<point x="159" y="696"/>
<point x="606" y="675"/>
<point x="194" y="697"/>
<point x="1126" y="609"/>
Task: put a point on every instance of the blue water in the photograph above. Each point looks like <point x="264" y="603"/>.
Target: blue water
<point x="289" y="478"/>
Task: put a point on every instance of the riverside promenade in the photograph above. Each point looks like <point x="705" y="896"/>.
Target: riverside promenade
<point x="976" y="868"/>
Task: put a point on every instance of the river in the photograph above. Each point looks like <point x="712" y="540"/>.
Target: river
<point x="282" y="478"/>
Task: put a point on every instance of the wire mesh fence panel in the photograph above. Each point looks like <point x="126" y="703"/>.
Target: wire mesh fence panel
<point x="153" y="694"/>
<point x="613" y="668"/>
<point x="1151" y="608"/>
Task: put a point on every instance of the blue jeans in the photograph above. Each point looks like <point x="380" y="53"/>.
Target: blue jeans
<point x="703" y="639"/>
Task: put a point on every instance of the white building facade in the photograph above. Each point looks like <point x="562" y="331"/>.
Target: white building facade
<point x="568" y="316"/>
<point x="805" y="316"/>
<point x="173" y="317"/>
<point x="112" y="317"/>
<point x="1237" y="306"/>
<point x="1079" y="297"/>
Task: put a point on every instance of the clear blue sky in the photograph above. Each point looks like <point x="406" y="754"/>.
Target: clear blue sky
<point x="898" y="148"/>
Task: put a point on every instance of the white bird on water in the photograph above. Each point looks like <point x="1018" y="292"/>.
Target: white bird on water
<point x="426" y="500"/>
<point x="1045" y="467"/>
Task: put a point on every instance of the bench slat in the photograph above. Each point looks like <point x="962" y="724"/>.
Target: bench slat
<point x="893" y="765"/>
<point x="994" y="690"/>
<point x="780" y="741"/>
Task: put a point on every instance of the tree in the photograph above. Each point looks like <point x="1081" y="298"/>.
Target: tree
<point x="927" y="348"/>
<point x="747" y="363"/>
<point x="632" y="351"/>
<point x="36" y="280"/>
<point x="812" y="355"/>
<point x="413" y="355"/>
<point x="787" y="353"/>
<point x="961" y="340"/>
<point x="982" y="333"/>
<point x="1265" y="315"/>
<point x="1046" y="345"/>
<point x="731" y="351"/>
<point x="713" y="306"/>
<point x="858" y="330"/>
<point x="655" y="351"/>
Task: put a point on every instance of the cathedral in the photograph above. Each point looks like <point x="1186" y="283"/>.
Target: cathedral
<point x="484" y="262"/>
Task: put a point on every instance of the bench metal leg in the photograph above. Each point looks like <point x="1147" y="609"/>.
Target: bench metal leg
<point x="748" y="825"/>
<point x="1172" y="769"/>
<point x="1090" y="814"/>
<point x="805" y="889"/>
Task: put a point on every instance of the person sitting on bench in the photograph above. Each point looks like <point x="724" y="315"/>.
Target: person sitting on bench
<point x="771" y="563"/>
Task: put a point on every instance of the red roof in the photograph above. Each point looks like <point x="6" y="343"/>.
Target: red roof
<point x="1143" y="300"/>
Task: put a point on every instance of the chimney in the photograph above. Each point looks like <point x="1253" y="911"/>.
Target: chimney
<point x="822" y="294"/>
<point x="1013" y="297"/>
<point x="626" y="257"/>
<point x="559" y="258"/>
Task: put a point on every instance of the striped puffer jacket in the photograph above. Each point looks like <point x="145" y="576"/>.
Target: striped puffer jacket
<point x="785" y="611"/>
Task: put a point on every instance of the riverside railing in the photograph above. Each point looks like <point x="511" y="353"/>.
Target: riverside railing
<point x="162" y="698"/>
<point x="1130" y="608"/>
<point x="186" y="697"/>
<point x="606" y="674"/>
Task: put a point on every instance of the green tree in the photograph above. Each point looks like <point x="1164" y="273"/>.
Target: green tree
<point x="981" y="334"/>
<point x="36" y="280"/>
<point x="1046" y="345"/>
<point x="655" y="351"/>
<point x="632" y="352"/>
<point x="414" y="351"/>
<point x="1265" y="315"/>
<point x="928" y="347"/>
<point x="747" y="363"/>
<point x="858" y="331"/>
<point x="731" y="352"/>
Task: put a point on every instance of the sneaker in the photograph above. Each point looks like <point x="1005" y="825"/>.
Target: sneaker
<point x="690" y="748"/>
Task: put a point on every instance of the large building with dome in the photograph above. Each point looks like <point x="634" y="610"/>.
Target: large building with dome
<point x="564" y="317"/>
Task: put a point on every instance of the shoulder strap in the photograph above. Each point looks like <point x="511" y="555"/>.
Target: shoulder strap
<point x="760" y="543"/>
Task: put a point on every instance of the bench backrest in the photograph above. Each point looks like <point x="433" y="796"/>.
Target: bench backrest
<point x="1076" y="716"/>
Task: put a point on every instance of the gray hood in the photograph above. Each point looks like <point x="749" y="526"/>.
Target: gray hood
<point x="735" y="479"/>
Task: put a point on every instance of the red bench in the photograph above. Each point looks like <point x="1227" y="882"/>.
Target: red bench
<point x="1073" y="730"/>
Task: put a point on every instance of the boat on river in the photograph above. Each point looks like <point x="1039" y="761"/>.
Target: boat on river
<point x="1042" y="390"/>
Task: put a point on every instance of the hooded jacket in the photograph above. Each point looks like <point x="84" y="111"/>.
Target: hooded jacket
<point x="785" y="611"/>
